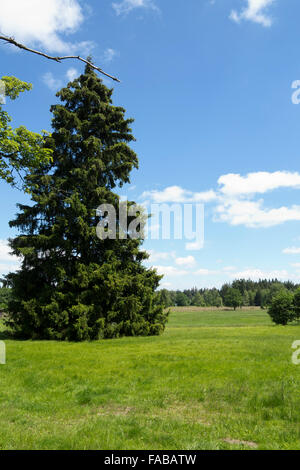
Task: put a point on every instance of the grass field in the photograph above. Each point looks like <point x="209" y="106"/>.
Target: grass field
<point x="214" y="380"/>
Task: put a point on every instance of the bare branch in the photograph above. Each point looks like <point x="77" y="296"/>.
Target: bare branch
<point x="11" y="40"/>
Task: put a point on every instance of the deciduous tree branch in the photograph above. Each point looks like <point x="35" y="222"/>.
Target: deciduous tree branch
<point x="11" y="40"/>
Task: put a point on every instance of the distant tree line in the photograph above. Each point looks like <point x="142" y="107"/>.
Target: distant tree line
<point x="282" y="299"/>
<point x="239" y="293"/>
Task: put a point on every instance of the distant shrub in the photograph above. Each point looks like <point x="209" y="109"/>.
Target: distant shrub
<point x="282" y="309"/>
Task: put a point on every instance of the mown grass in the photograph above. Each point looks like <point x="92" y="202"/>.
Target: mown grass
<point x="214" y="380"/>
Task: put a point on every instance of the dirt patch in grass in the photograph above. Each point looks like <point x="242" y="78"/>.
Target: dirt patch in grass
<point x="253" y="445"/>
<point x="115" y="411"/>
<point x="193" y="413"/>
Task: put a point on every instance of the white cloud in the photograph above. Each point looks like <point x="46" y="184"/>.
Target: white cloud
<point x="194" y="246"/>
<point x="179" y="195"/>
<point x="71" y="74"/>
<point x="8" y="262"/>
<point x="51" y="82"/>
<point x="235" y="199"/>
<point x="166" y="285"/>
<point x="170" y="271"/>
<point x="205" y="272"/>
<point x="5" y="253"/>
<point x="236" y="192"/>
<point x="257" y="183"/>
<point x="252" y="214"/>
<point x="186" y="262"/>
<point x="109" y="54"/>
<point x="256" y="274"/>
<point x="43" y="23"/>
<point x="160" y="256"/>
<point x="126" y="6"/>
<point x="291" y="251"/>
<point x="54" y="83"/>
<point x="6" y="268"/>
<point x="255" y="11"/>
<point x="230" y="185"/>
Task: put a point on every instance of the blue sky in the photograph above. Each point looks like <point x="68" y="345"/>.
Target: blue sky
<point x="209" y="84"/>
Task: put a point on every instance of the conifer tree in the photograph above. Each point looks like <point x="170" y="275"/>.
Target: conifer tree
<point x="73" y="285"/>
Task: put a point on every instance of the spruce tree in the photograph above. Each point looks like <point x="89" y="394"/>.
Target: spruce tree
<point x="73" y="285"/>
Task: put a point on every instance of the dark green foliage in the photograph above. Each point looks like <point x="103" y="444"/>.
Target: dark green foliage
<point x="181" y="300"/>
<point x="73" y="285"/>
<point x="281" y="309"/>
<point x="163" y="297"/>
<point x="254" y="293"/>
<point x="212" y="298"/>
<point x="258" y="298"/>
<point x="5" y="297"/>
<point x="297" y="303"/>
<point x="233" y="298"/>
<point x="198" y="300"/>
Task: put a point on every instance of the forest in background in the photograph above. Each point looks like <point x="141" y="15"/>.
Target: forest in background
<point x="239" y="293"/>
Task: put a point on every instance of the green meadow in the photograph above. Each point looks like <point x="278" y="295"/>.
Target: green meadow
<point x="213" y="380"/>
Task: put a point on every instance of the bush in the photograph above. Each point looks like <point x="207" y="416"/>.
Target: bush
<point x="282" y="309"/>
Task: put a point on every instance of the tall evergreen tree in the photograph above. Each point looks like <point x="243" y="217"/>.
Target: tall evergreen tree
<point x="72" y="285"/>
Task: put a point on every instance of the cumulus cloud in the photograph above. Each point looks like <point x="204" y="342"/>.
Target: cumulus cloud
<point x="236" y="193"/>
<point x="194" y="246"/>
<point x="177" y="194"/>
<point x="71" y="74"/>
<point x="54" y="83"/>
<point x="44" y="23"/>
<point x="256" y="274"/>
<point x="166" y="285"/>
<point x="294" y="250"/>
<point x="160" y="256"/>
<point x="171" y="271"/>
<point x="51" y="82"/>
<point x="256" y="11"/>
<point x="5" y="252"/>
<point x="236" y="201"/>
<point x="186" y="262"/>
<point x="252" y="214"/>
<point x="205" y="272"/>
<point x="109" y="54"/>
<point x="257" y="183"/>
<point x="126" y="6"/>
<point x="8" y="262"/>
